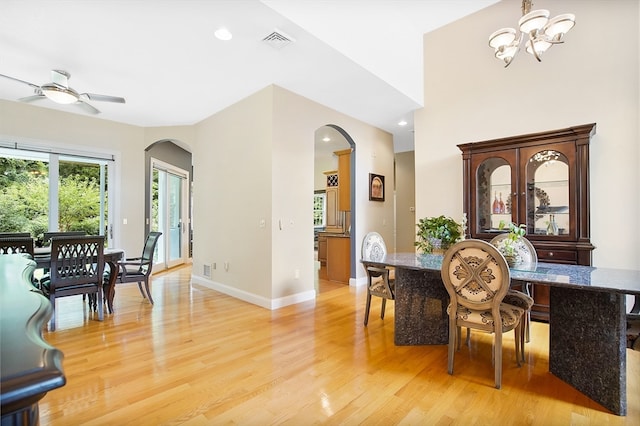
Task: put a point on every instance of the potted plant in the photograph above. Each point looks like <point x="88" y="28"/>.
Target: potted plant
<point x="437" y="233"/>
<point x="508" y="246"/>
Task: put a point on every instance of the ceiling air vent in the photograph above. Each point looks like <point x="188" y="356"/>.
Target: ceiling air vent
<point x="278" y="39"/>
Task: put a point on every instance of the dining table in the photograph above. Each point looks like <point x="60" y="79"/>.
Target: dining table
<point x="42" y="257"/>
<point x="587" y="318"/>
<point x="30" y="366"/>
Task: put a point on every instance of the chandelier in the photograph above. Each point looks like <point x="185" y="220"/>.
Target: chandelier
<point x="541" y="31"/>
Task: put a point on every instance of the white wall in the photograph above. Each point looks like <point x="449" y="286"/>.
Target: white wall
<point x="589" y="79"/>
<point x="254" y="161"/>
<point x="232" y="182"/>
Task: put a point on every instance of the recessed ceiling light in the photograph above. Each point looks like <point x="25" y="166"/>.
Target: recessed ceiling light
<point x="326" y="139"/>
<point x="402" y="123"/>
<point x="223" y="34"/>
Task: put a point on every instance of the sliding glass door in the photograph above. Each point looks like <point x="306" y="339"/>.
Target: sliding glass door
<point x="44" y="191"/>
<point x="169" y="213"/>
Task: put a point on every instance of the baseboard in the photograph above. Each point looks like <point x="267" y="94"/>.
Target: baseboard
<point x="254" y="299"/>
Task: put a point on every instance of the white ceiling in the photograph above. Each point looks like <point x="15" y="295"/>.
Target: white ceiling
<point x="362" y="58"/>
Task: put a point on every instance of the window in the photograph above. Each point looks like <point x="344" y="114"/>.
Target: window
<point x="47" y="191"/>
<point x="319" y="208"/>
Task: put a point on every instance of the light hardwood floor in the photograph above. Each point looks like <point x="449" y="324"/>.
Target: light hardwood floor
<point x="199" y="357"/>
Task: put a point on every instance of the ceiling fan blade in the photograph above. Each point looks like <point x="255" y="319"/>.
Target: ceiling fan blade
<point x="87" y="107"/>
<point x="103" y="98"/>
<point x="32" y="98"/>
<point x="35" y="86"/>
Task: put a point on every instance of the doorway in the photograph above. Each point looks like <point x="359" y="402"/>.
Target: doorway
<point x="329" y="142"/>
<point x="169" y="213"/>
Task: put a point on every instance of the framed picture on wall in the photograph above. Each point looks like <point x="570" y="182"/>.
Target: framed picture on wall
<point x="376" y="187"/>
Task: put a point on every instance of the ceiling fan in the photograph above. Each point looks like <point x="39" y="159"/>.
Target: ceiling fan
<point x="58" y="91"/>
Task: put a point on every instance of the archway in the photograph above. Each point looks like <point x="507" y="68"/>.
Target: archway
<point x="330" y="143"/>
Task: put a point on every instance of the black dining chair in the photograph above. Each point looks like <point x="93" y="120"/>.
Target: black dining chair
<point x="10" y="245"/>
<point x="15" y="234"/>
<point x="46" y="240"/>
<point x="77" y="267"/>
<point x="138" y="269"/>
<point x="21" y="244"/>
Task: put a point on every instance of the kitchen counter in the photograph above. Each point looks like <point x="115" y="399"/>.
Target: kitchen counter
<point x="334" y="254"/>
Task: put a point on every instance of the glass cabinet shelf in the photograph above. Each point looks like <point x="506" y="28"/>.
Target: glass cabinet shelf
<point x="552" y="183"/>
<point x="552" y="210"/>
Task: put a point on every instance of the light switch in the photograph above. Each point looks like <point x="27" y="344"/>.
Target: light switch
<point x="124" y="221"/>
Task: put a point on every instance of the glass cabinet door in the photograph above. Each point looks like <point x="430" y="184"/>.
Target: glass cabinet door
<point x="494" y="202"/>
<point x="549" y="202"/>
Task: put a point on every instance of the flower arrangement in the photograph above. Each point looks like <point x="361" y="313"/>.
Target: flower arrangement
<point x="437" y="233"/>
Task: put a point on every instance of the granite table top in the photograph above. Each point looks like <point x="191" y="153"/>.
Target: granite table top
<point x="610" y="280"/>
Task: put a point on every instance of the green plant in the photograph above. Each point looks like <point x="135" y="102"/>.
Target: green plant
<point x="507" y="246"/>
<point x="434" y="231"/>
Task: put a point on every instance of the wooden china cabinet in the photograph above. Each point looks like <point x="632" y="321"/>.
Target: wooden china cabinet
<point x="538" y="179"/>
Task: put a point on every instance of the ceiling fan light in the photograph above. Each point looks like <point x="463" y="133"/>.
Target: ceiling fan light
<point x="223" y="34"/>
<point x="502" y="37"/>
<point x="560" y="25"/>
<point x="534" y="20"/>
<point x="60" y="95"/>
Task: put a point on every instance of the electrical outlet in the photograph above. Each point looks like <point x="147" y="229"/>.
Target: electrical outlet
<point x="296" y="273"/>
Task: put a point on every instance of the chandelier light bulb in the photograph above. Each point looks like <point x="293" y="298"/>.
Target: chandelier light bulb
<point x="506" y="53"/>
<point x="502" y="37"/>
<point x="559" y="25"/>
<point x="535" y="20"/>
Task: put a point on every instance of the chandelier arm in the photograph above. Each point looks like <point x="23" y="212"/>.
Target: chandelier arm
<point x="535" y="52"/>
<point x="518" y="46"/>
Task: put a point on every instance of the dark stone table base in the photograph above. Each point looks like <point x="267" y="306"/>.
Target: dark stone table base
<point x="24" y="415"/>
<point x="420" y="308"/>
<point x="587" y="344"/>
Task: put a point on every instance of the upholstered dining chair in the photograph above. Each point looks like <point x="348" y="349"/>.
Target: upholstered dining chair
<point x="528" y="262"/>
<point x="477" y="278"/>
<point x="380" y="281"/>
<point x="77" y="267"/>
<point x="138" y="269"/>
